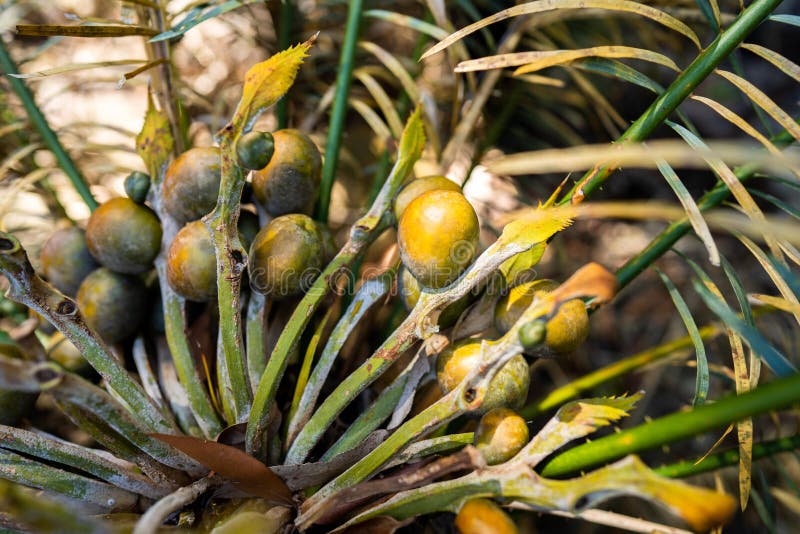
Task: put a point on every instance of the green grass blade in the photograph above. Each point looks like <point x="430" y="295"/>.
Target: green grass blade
<point x="701" y="382"/>
<point x="339" y="107"/>
<point x="774" y="359"/>
<point x="677" y="426"/>
<point x="687" y="468"/>
<point x="43" y="127"/>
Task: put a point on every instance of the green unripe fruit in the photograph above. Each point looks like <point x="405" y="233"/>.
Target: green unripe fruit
<point x="137" y="185"/>
<point x="508" y="387"/>
<point x="286" y="256"/>
<point x="501" y="434"/>
<point x="192" y="263"/>
<point x="254" y="150"/>
<point x="482" y="516"/>
<point x="290" y="181"/>
<point x="532" y="334"/>
<point x="191" y="184"/>
<point x="438" y="237"/>
<point x="410" y="290"/>
<point x="65" y="259"/>
<point x="124" y="236"/>
<point x="112" y="304"/>
<point x="421" y="185"/>
<point x="564" y="332"/>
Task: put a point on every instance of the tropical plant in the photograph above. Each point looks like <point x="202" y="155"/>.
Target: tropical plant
<point x="311" y="393"/>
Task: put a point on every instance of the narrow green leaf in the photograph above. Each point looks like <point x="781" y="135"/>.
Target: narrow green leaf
<point x="407" y="22"/>
<point x="777" y="202"/>
<point x="198" y="15"/>
<point x="692" y="211"/>
<point x="774" y="359"/>
<point x="711" y="15"/>
<point x="701" y="380"/>
<point x="618" y="69"/>
<point x="794" y="20"/>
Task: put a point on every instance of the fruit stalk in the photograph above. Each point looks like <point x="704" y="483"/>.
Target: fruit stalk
<point x="26" y="287"/>
<point x="231" y="261"/>
<point x="421" y="322"/>
<point x="175" y="320"/>
<point x="366" y="229"/>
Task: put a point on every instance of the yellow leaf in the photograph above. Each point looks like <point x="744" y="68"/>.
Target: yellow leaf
<point x="543" y="6"/>
<point x="763" y="101"/>
<point x="266" y="82"/>
<point x="787" y="67"/>
<point x="783" y="286"/>
<point x="516" y="267"/>
<point x="537" y="225"/>
<point x="154" y="143"/>
<point x="538" y="60"/>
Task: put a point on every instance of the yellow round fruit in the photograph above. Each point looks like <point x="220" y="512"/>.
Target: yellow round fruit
<point x="124" y="236"/>
<point x="564" y="332"/>
<point x="192" y="263"/>
<point x="482" y="516"/>
<point x="501" y="434"/>
<point x="65" y="259"/>
<point x="286" y="256"/>
<point x="112" y="304"/>
<point x="421" y="185"/>
<point x="509" y="387"/>
<point x="290" y="181"/>
<point x="191" y="184"/>
<point x="438" y="237"/>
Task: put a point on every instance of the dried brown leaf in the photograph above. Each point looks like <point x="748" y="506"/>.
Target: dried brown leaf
<point x="246" y="472"/>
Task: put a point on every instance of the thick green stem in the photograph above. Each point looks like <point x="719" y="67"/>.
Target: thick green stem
<point x="705" y="63"/>
<point x="369" y="420"/>
<point x="687" y="468"/>
<point x="113" y="471"/>
<point x="339" y="107"/>
<point x="400" y="340"/>
<point x="29" y="289"/>
<point x="48" y="135"/>
<point x="255" y="327"/>
<point x="37" y="475"/>
<point x="674" y="427"/>
<point x="279" y="359"/>
<point x="587" y="382"/>
<point x="178" y="342"/>
<point x="368" y="294"/>
<point x="231" y="262"/>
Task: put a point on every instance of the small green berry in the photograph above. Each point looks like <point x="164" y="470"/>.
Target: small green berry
<point x="254" y="150"/>
<point x="137" y="184"/>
